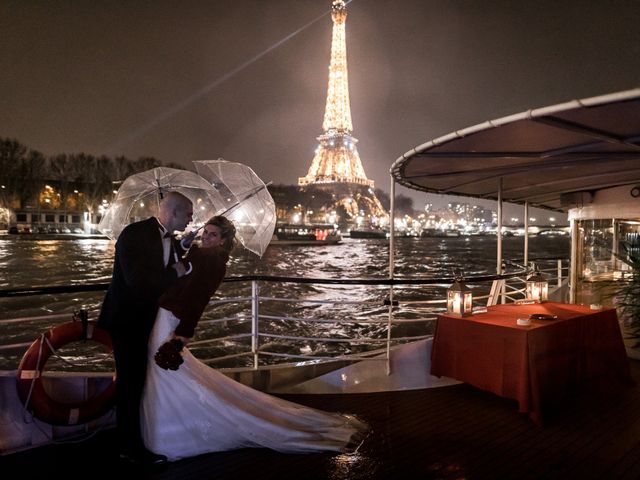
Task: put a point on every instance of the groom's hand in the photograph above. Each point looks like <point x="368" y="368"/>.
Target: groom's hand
<point x="168" y="355"/>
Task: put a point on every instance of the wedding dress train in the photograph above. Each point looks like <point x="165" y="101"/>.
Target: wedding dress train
<point x="196" y="410"/>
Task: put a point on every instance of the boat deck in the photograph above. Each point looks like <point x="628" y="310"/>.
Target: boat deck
<point x="452" y="432"/>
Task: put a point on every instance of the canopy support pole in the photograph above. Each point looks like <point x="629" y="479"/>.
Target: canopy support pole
<point x="526" y="233"/>
<point x="392" y="233"/>
<point x="392" y="228"/>
<point x="573" y="264"/>
<point x="499" y="238"/>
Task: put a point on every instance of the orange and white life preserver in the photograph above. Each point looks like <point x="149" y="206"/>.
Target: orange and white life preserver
<point x="29" y="379"/>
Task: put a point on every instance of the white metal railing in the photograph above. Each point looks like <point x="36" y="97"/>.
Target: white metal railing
<point x="556" y="271"/>
<point x="261" y="339"/>
<point x="276" y="335"/>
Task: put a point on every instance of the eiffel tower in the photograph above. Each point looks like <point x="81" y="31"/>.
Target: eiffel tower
<point x="336" y="165"/>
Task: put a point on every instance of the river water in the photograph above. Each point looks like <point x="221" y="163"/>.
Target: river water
<point x="28" y="263"/>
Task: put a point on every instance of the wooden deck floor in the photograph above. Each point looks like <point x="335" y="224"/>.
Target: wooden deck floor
<point x="455" y="432"/>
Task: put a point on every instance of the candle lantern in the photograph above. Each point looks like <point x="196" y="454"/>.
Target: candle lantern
<point x="459" y="299"/>
<point x="537" y="287"/>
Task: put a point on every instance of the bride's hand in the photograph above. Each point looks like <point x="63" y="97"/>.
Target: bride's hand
<point x="188" y="238"/>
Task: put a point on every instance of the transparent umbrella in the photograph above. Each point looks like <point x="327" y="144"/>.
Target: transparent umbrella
<point x="139" y="197"/>
<point x="248" y="203"/>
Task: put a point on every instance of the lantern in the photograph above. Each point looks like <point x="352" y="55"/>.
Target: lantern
<point x="537" y="287"/>
<point x="459" y="299"/>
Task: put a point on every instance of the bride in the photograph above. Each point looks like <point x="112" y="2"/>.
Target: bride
<point x="189" y="408"/>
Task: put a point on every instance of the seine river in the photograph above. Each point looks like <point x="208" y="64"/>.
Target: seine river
<point x="28" y="263"/>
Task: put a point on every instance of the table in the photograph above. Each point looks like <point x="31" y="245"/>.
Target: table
<point x="538" y="365"/>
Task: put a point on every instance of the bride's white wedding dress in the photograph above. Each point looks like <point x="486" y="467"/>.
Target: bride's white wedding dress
<point x="196" y="409"/>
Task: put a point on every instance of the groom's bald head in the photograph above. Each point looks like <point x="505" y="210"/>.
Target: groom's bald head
<point x="176" y="211"/>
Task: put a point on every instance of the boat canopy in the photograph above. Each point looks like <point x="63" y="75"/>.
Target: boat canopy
<point x="548" y="157"/>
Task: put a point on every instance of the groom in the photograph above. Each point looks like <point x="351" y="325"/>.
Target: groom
<point x="144" y="266"/>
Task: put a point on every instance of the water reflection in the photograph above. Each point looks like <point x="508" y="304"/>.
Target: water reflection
<point x="26" y="264"/>
<point x="5" y="260"/>
<point x="353" y="466"/>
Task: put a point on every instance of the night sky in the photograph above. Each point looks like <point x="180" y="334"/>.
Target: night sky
<point x="246" y="79"/>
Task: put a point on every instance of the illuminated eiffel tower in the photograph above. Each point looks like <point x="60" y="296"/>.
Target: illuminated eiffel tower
<point x="336" y="163"/>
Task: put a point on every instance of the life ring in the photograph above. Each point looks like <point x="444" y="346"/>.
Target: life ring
<point x="29" y="379"/>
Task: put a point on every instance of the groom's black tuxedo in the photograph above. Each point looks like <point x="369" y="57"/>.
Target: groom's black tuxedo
<point x="128" y="313"/>
<point x="139" y="278"/>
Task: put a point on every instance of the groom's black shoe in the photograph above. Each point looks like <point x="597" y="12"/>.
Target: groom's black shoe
<point x="143" y="457"/>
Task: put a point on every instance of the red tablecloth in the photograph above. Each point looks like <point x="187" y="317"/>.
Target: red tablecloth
<point x="537" y="365"/>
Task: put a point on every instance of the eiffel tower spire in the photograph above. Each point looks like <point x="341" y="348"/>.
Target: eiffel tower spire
<point x="336" y="159"/>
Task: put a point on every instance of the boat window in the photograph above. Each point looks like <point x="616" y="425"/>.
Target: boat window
<point x="600" y="243"/>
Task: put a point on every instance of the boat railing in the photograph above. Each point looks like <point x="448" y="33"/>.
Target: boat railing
<point x="287" y="320"/>
<point x="555" y="270"/>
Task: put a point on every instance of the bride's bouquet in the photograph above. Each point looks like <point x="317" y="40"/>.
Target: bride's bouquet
<point x="168" y="356"/>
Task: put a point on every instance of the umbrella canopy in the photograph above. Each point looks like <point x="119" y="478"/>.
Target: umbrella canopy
<point x="139" y="197"/>
<point x="246" y="199"/>
<point x="545" y="157"/>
